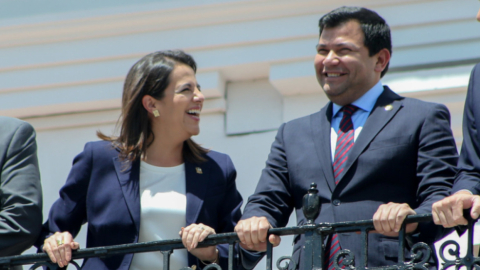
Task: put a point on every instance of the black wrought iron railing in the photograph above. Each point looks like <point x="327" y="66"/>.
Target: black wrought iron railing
<point x="313" y="255"/>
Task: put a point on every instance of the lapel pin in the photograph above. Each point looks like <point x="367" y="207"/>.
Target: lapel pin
<point x="389" y="107"/>
<point x="199" y="170"/>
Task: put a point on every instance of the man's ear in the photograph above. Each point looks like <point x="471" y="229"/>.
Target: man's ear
<point x="383" y="57"/>
<point x="149" y="103"/>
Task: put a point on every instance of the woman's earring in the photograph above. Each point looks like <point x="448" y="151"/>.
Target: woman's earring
<point x="156" y="113"/>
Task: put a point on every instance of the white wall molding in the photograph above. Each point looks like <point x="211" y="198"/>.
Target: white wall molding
<point x="59" y="119"/>
<point x="252" y="106"/>
<point x="429" y="79"/>
<point x="61" y="108"/>
<point x="197" y="15"/>
<point x="74" y="120"/>
<point x="294" y="78"/>
<point x="212" y="84"/>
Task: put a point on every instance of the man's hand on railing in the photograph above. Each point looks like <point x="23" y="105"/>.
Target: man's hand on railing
<point x="195" y="233"/>
<point x="59" y="247"/>
<point x="252" y="233"/>
<point x="389" y="218"/>
<point x="449" y="211"/>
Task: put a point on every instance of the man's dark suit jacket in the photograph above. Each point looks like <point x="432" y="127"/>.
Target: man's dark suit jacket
<point x="469" y="161"/>
<point x="101" y="192"/>
<point x="405" y="153"/>
<point x="20" y="188"/>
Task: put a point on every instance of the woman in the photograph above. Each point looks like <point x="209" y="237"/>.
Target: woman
<point x="152" y="180"/>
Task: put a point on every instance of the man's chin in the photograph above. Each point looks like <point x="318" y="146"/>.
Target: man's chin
<point x="332" y="92"/>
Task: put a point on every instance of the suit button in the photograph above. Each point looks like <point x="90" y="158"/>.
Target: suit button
<point x="336" y="202"/>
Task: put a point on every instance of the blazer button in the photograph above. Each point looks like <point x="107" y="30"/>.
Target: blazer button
<point x="336" y="202"/>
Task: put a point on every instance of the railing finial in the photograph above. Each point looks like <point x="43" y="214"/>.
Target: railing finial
<point x="311" y="204"/>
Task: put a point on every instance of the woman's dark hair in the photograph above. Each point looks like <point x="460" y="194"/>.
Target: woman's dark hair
<point x="149" y="76"/>
<point x="375" y="30"/>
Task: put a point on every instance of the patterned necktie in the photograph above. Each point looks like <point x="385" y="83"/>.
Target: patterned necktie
<point x="345" y="140"/>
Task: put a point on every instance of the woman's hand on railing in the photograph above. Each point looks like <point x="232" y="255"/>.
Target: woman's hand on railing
<point x="389" y="217"/>
<point x="59" y="247"/>
<point x="195" y="233"/>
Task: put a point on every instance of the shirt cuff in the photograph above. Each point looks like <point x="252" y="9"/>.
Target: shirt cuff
<point x="249" y="259"/>
<point x="464" y="190"/>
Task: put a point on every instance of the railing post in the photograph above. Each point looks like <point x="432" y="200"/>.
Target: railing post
<point x="401" y="241"/>
<point x="166" y="259"/>
<point x="318" y="250"/>
<point x="469" y="260"/>
<point x="269" y="255"/>
<point x="313" y="249"/>
<point x="364" y="257"/>
<point x="231" y="248"/>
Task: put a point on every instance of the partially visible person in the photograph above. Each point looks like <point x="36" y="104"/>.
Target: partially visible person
<point x="466" y="188"/>
<point x="20" y="187"/>
<point x="152" y="182"/>
<point x="372" y="153"/>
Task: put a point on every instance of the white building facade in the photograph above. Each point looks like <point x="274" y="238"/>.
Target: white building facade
<point x="62" y="67"/>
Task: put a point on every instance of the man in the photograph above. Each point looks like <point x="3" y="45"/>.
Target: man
<point x="397" y="159"/>
<point x="20" y="188"/>
<point x="449" y="211"/>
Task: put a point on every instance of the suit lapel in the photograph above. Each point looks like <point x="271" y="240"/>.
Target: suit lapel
<point x="196" y="176"/>
<point x="321" y="125"/>
<point x="379" y="117"/>
<point x="129" y="180"/>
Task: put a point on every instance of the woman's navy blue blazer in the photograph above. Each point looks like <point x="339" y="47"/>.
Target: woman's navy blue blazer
<point x="100" y="191"/>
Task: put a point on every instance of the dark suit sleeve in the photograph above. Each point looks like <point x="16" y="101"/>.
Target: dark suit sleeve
<point x="469" y="163"/>
<point x="230" y="212"/>
<point x="68" y="213"/>
<point x="232" y="206"/>
<point x="437" y="159"/>
<point x="20" y="193"/>
<point x="272" y="198"/>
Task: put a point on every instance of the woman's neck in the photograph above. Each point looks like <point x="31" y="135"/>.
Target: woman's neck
<point x="164" y="153"/>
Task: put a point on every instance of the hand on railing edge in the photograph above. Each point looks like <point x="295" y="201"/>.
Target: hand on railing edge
<point x="195" y="233"/>
<point x="252" y="233"/>
<point x="388" y="219"/>
<point x="449" y="211"/>
<point x="59" y="248"/>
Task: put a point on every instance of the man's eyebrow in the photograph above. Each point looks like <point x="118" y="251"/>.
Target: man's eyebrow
<point x="349" y="44"/>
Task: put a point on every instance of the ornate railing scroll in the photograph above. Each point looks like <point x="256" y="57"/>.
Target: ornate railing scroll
<point x="469" y="260"/>
<point x="313" y="254"/>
